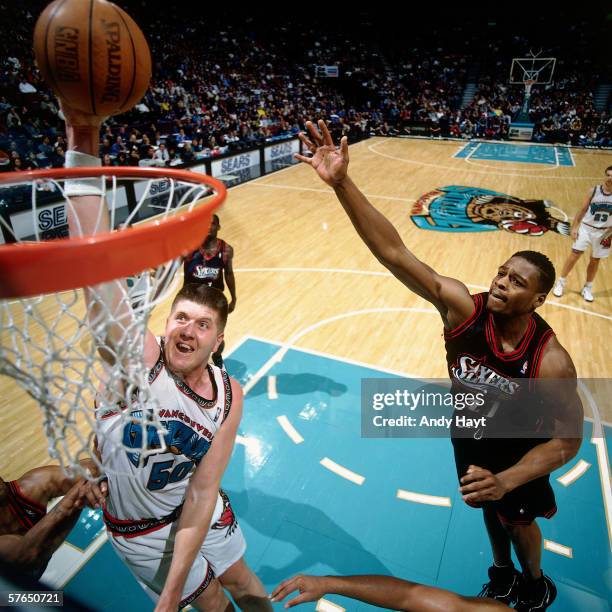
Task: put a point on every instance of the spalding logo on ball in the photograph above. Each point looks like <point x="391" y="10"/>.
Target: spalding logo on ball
<point x="93" y="56"/>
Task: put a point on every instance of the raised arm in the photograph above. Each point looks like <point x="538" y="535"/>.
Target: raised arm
<point x="383" y="591"/>
<point x="450" y="297"/>
<point x="199" y="505"/>
<point x="88" y="215"/>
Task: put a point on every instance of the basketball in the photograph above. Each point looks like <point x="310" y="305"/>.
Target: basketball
<point x="93" y="55"/>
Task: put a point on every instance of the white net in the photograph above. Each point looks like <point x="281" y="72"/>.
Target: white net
<point x="83" y="359"/>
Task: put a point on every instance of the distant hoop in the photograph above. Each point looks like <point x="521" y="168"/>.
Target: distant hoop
<point x="529" y="83"/>
<point x="35" y="268"/>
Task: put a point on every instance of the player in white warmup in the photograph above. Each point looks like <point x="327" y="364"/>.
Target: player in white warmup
<point x="591" y="227"/>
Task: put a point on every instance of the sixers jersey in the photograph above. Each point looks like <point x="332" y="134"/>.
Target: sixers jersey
<point x="476" y="365"/>
<point x="599" y="212"/>
<point x="200" y="268"/>
<point x="156" y="488"/>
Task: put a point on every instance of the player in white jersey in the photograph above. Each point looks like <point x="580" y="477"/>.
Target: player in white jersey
<point x="592" y="227"/>
<point x="167" y="518"/>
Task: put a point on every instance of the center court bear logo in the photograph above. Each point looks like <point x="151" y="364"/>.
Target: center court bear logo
<point x="472" y="209"/>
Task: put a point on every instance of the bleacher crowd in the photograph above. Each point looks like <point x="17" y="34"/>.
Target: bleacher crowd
<point x="228" y="85"/>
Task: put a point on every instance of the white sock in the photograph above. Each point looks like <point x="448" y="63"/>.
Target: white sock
<point x="588" y="285"/>
<point x="562" y="280"/>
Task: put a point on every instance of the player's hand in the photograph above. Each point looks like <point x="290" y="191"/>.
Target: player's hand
<point x="95" y="493"/>
<point x="311" y="588"/>
<point x="76" y="118"/>
<point x="329" y="161"/>
<point x="480" y="485"/>
<point x="74" y="500"/>
<point x="574" y="234"/>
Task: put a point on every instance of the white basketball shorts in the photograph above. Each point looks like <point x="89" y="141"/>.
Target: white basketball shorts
<point x="590" y="236"/>
<point x="148" y="556"/>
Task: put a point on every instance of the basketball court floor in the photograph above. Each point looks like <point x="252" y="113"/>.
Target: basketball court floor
<point x="315" y="315"/>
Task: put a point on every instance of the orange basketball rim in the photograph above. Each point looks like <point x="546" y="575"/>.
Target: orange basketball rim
<point x="35" y="268"/>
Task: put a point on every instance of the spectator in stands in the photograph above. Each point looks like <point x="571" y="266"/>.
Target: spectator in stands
<point x="26" y="88"/>
<point x="187" y="154"/>
<point x="161" y="156"/>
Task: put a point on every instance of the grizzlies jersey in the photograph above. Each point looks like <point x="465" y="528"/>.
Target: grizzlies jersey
<point x="599" y="212"/>
<point x="156" y="489"/>
<point x="476" y="365"/>
<point x="200" y="268"/>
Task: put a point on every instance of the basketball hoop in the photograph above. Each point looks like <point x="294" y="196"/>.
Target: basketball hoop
<point x="529" y="83"/>
<point x="51" y="341"/>
<point x="88" y="260"/>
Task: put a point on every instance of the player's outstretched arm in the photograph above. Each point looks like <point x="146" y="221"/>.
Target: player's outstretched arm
<point x="448" y="295"/>
<point x="383" y="591"/>
<point x="88" y="215"/>
<point x="199" y="505"/>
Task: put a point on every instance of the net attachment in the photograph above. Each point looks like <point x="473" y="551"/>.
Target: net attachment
<point x="53" y="340"/>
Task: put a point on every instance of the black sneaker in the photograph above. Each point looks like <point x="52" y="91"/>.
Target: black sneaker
<point x="536" y="595"/>
<point x="503" y="585"/>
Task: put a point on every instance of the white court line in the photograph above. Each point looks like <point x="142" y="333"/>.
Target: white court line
<point x="289" y="429"/>
<point x="460" y="150"/>
<point x="422" y="498"/>
<point x="598" y="439"/>
<point x="565" y="551"/>
<point x="330" y="192"/>
<point x="469" y="155"/>
<point x="377" y="273"/>
<point x="280" y="354"/>
<point x="569" y="150"/>
<point x="363" y="364"/>
<point x="324" y="605"/>
<point x="372" y="149"/>
<point x="336" y="468"/>
<point x="574" y="474"/>
<point x="556" y="157"/>
<point x="272" y="394"/>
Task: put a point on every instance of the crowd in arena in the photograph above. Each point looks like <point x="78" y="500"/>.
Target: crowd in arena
<point x="219" y="88"/>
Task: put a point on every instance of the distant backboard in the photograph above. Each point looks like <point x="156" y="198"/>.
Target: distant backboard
<point x="536" y="69"/>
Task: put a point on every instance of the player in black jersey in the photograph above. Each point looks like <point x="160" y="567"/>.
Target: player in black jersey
<point x="492" y="339"/>
<point x="210" y="264"/>
<point x="29" y="535"/>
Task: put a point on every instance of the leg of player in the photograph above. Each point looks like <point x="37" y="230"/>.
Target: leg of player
<point x="245" y="587"/>
<point x="536" y="591"/>
<point x="504" y="579"/>
<point x="587" y="290"/>
<point x="568" y="266"/>
<point x="213" y="599"/>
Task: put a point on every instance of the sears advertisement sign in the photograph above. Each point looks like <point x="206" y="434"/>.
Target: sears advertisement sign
<point x="237" y="168"/>
<point x="280" y="155"/>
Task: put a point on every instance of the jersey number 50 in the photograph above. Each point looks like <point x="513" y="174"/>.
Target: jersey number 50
<point x="161" y="474"/>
